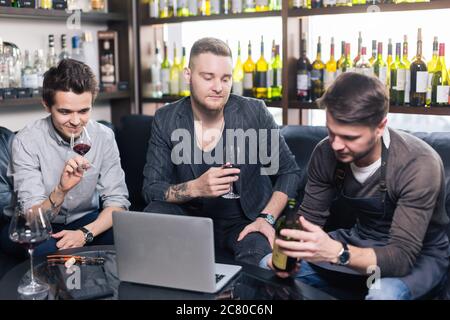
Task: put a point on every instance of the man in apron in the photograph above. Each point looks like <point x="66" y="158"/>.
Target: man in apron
<point x="390" y="182"/>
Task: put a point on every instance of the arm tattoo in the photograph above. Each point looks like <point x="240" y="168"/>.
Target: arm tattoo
<point x="178" y="193"/>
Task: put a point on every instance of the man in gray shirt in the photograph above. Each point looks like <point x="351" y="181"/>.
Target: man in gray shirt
<point x="391" y="182"/>
<point x="46" y="172"/>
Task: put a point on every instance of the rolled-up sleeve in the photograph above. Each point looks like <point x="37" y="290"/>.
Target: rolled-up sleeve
<point x="111" y="184"/>
<point x="159" y="168"/>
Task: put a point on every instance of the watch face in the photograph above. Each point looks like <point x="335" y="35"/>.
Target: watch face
<point x="270" y="219"/>
<point x="89" y="237"/>
<point x="344" y="258"/>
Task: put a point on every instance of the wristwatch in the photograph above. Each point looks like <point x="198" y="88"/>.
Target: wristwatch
<point x="344" y="255"/>
<point x="268" y="217"/>
<point x="88" y="236"/>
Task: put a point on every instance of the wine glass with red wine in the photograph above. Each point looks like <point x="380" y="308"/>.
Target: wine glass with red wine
<point x="82" y="144"/>
<point x="29" y="228"/>
<point x="231" y="157"/>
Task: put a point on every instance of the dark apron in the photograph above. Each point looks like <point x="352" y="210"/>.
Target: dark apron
<point x="373" y="222"/>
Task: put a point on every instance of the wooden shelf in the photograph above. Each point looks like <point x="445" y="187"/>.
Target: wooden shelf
<point x="58" y="15"/>
<point x="244" y="15"/>
<point x="273" y="104"/>
<point x="36" y="101"/>
<point x="380" y="7"/>
<point x="440" y="111"/>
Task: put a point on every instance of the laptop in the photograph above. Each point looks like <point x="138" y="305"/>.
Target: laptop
<point x="169" y="251"/>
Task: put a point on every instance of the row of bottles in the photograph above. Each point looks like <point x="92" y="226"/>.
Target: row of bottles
<point x="413" y="83"/>
<point x="260" y="80"/>
<point x="26" y="70"/>
<point x="309" y="4"/>
<point x="186" y="8"/>
<point x="84" y="5"/>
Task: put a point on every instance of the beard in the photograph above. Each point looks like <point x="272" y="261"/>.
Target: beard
<point x="201" y="105"/>
<point x="361" y="155"/>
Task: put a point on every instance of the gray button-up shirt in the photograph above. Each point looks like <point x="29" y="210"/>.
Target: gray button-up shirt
<point x="38" y="158"/>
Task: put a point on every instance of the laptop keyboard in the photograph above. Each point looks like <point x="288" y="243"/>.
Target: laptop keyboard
<point x="219" y="277"/>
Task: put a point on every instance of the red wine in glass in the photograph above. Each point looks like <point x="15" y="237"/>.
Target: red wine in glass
<point x="81" y="148"/>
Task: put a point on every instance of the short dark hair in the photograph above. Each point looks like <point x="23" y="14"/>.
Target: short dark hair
<point x="68" y="75"/>
<point x="212" y="45"/>
<point x="355" y="98"/>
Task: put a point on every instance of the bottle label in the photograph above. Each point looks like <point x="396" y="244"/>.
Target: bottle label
<point x="238" y="88"/>
<point x="382" y="75"/>
<point x="30" y="81"/>
<point x="236" y="6"/>
<point x="277" y="81"/>
<point x="401" y="80"/>
<point x="279" y="259"/>
<point x="407" y="85"/>
<point x="421" y="81"/>
<point x="442" y="94"/>
<point x="270" y="78"/>
<point x="261" y="79"/>
<point x="165" y="79"/>
<point x="175" y="87"/>
<point x="328" y="78"/>
<point x="155" y="74"/>
<point x="430" y="78"/>
<point x="184" y="85"/>
<point x="248" y="80"/>
<point x="302" y="82"/>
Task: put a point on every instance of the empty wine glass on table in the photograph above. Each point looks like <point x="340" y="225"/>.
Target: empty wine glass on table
<point x="231" y="157"/>
<point x="29" y="228"/>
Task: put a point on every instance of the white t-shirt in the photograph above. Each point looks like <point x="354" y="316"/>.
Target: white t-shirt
<point x="361" y="174"/>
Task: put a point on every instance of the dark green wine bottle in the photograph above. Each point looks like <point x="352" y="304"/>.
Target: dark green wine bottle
<point x="289" y="220"/>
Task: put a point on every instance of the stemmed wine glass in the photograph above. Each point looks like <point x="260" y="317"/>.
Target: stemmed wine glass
<point x="231" y="156"/>
<point x="29" y="228"/>
<point x="82" y="144"/>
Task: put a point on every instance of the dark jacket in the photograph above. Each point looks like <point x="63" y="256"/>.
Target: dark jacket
<point x="240" y="113"/>
<point x="6" y="188"/>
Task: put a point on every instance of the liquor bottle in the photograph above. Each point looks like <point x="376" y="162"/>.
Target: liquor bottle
<point x="182" y="8"/>
<point x="363" y="66"/>
<point x="262" y="68"/>
<point x="238" y="74"/>
<point x="262" y="5"/>
<point x="347" y="65"/>
<point x="249" y="6"/>
<point x="165" y="73"/>
<point x="379" y="67"/>
<point x="52" y="58"/>
<point x="419" y="76"/>
<point x="270" y="72"/>
<point x="431" y="66"/>
<point x="249" y="70"/>
<point x="236" y="6"/>
<point x="184" y="85"/>
<point x="317" y="70"/>
<point x="358" y="55"/>
<point x="277" y="68"/>
<point x="289" y="220"/>
<point x="341" y="59"/>
<point x="77" y="49"/>
<point x="29" y="73"/>
<point x="215" y="6"/>
<point x="398" y="77"/>
<point x="155" y="74"/>
<point x="374" y="52"/>
<point x="175" y="74"/>
<point x="330" y="68"/>
<point x="64" y="54"/>
<point x="107" y="67"/>
<point x="304" y="75"/>
<point x="4" y="68"/>
<point x="45" y="4"/>
<point x="153" y="9"/>
<point x="408" y="71"/>
<point x="440" y="85"/>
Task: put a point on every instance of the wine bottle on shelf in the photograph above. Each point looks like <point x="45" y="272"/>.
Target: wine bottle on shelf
<point x="440" y="84"/>
<point x="270" y="72"/>
<point x="289" y="220"/>
<point x="358" y="55"/>
<point x="182" y="8"/>
<point x="226" y="7"/>
<point x="52" y="58"/>
<point x="389" y="61"/>
<point x="408" y="71"/>
<point x="317" y="70"/>
<point x="236" y="6"/>
<point x="303" y="75"/>
<point x="249" y="73"/>
<point x="341" y="59"/>
<point x="238" y="74"/>
<point x="347" y="65"/>
<point x="184" y="85"/>
<point x="419" y="76"/>
<point x="330" y="68"/>
<point x="175" y="74"/>
<point x="363" y="66"/>
<point x="277" y="68"/>
<point x="165" y="73"/>
<point x="373" y="58"/>
<point x="431" y="66"/>
<point x="153" y="9"/>
<point x="215" y="6"/>
<point x="398" y="77"/>
<point x="165" y="10"/>
<point x="205" y="7"/>
<point x="262" y="68"/>
<point x="64" y="54"/>
<point x="193" y="8"/>
<point x="155" y="74"/>
<point x="379" y="67"/>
